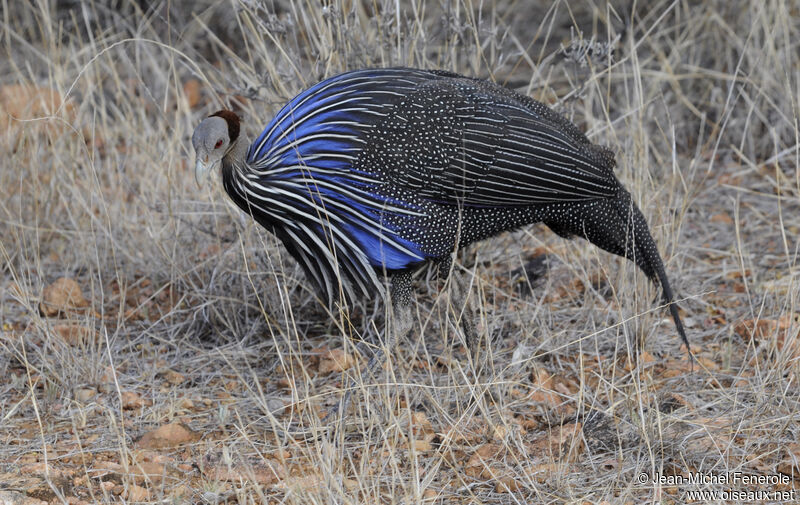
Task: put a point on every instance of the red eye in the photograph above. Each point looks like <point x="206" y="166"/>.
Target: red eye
<point x="218" y="144"/>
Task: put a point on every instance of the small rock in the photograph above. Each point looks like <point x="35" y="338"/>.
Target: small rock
<point x="169" y="435"/>
<point x="83" y="395"/>
<point x="63" y="295"/>
<point x="499" y="433"/>
<point x="420" y="423"/>
<point x="335" y="360"/>
<point x="133" y="401"/>
<point x="15" y="498"/>
<point x="479" y="463"/>
<point x="544" y="388"/>
<point x="136" y="493"/>
<point x="722" y="218"/>
<point x="506" y="485"/>
<point x="147" y="471"/>
<point x="74" y="334"/>
<point x="40" y="469"/>
<point x="173" y="377"/>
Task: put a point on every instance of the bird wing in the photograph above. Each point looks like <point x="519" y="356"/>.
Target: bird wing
<point x="342" y="170"/>
<point x="457" y="140"/>
<point x="329" y="121"/>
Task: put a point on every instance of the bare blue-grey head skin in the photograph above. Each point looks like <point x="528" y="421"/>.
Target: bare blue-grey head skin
<point x="210" y="141"/>
<point x="217" y="138"/>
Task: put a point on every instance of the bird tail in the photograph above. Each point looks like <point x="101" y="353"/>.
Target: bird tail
<point x="641" y="248"/>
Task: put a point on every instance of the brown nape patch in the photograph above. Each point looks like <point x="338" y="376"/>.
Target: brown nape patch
<point x="232" y="119"/>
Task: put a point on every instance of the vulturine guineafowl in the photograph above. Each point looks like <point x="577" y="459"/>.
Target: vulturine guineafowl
<point x="376" y="172"/>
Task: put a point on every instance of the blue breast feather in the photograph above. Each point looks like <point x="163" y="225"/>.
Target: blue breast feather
<point x="317" y="137"/>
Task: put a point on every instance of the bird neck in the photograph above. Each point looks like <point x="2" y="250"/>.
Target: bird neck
<point x="237" y="154"/>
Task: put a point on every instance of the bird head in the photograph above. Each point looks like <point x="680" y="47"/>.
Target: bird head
<point x="613" y="224"/>
<point x="212" y="140"/>
<point x="618" y="226"/>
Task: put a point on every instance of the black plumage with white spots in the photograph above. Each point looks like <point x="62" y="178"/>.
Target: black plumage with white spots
<point x="379" y="171"/>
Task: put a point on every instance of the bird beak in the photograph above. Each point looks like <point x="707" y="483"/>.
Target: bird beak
<point x="201" y="169"/>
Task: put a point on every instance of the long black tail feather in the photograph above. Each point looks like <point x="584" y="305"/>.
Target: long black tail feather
<point x="649" y="260"/>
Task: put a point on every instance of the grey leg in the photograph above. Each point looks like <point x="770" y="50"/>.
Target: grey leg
<point x="396" y="330"/>
<point x="402" y="321"/>
<point x="460" y="301"/>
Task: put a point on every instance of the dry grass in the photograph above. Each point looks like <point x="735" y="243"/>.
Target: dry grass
<point x="197" y="316"/>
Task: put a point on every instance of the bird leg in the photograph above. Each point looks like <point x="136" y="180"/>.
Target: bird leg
<point x="462" y="304"/>
<point x="402" y="321"/>
<point x="463" y="307"/>
<point x="396" y="330"/>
